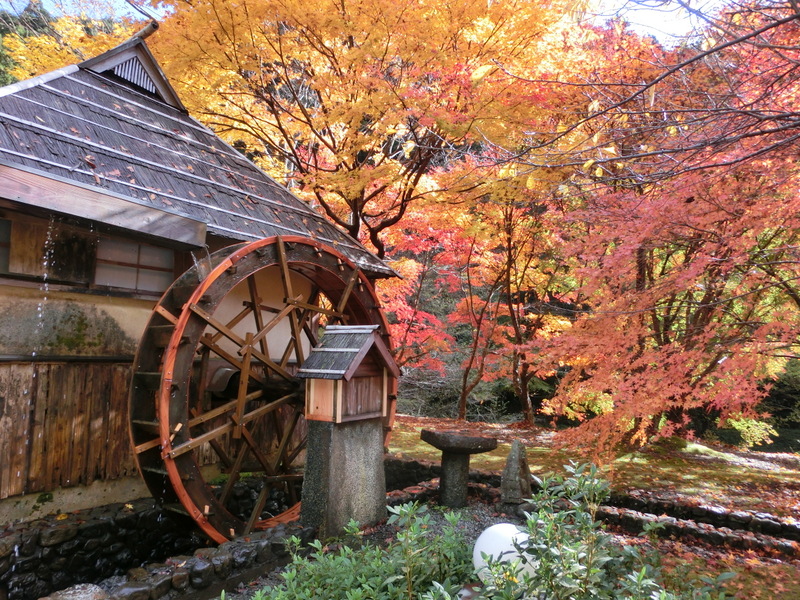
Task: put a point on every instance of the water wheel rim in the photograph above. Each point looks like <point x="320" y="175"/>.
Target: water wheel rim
<point x="325" y="273"/>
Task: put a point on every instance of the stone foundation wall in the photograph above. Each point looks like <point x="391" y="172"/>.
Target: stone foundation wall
<point x="130" y="542"/>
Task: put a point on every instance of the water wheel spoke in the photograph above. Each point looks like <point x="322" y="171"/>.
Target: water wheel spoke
<point x="256" y="451"/>
<point x="257" y="509"/>
<point x="307" y="318"/>
<point x="258" y="317"/>
<point x="238" y="318"/>
<point x="198" y="420"/>
<point x="298" y="449"/>
<point x="351" y="284"/>
<point x="265" y="409"/>
<point x="282" y="456"/>
<point x="223" y="455"/>
<point x="294" y="324"/>
<point x="310" y="309"/>
<point x="276" y="320"/>
<point x="159" y="309"/>
<point x="202" y="378"/>
<point x="234" y="473"/>
<point x="145" y="446"/>
<point x="244" y="381"/>
<point x="198" y="441"/>
<point x="237" y="364"/>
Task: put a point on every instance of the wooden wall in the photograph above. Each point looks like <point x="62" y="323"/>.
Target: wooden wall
<point x="362" y="396"/>
<point x="62" y="425"/>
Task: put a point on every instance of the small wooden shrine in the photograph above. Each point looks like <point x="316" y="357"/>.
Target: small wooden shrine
<point x="348" y="375"/>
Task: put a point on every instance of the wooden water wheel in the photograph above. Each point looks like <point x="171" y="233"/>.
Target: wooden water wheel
<point x="214" y="399"/>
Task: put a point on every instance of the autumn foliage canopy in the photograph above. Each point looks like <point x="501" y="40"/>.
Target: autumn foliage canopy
<point x="566" y="200"/>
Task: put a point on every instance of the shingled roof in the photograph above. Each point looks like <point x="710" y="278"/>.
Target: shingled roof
<point x="341" y="350"/>
<point x="113" y="129"/>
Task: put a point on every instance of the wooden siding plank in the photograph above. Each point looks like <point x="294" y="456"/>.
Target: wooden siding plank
<point x="99" y="438"/>
<point x="16" y="401"/>
<point x="39" y="430"/>
<point x="121" y="458"/>
<point x="80" y="397"/>
<point x="362" y="396"/>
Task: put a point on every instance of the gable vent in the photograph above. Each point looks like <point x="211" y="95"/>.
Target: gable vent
<point x="133" y="72"/>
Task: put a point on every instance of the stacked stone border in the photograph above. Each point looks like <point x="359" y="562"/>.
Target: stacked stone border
<point x="138" y="551"/>
<point x="749" y="530"/>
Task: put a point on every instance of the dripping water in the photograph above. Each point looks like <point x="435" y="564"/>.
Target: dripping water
<point x="41" y="308"/>
<point x="203" y="263"/>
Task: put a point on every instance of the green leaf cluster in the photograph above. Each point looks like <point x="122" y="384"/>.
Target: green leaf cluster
<point x="417" y="564"/>
<point x="569" y="556"/>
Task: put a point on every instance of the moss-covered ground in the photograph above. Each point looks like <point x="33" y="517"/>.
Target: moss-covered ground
<point x="690" y="472"/>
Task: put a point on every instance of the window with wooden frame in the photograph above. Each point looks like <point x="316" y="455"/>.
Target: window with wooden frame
<point x="132" y="265"/>
<point x="67" y="254"/>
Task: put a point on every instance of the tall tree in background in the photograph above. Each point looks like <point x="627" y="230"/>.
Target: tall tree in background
<point x="357" y="103"/>
<point x="33" y="20"/>
<point x="687" y="204"/>
<point x="34" y="41"/>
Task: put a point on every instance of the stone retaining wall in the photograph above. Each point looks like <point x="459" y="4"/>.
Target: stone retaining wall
<point x="39" y="557"/>
<point x="716" y="516"/>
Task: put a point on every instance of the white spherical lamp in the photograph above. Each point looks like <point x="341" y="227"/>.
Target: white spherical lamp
<point x="499" y="542"/>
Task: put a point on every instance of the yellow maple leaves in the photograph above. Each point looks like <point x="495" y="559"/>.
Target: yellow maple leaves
<point x="71" y="39"/>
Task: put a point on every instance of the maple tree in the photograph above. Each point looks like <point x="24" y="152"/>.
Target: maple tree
<point x="32" y="20"/>
<point x="494" y="258"/>
<point x="37" y="41"/>
<point x="683" y="232"/>
<point x="357" y="104"/>
<point x="512" y="285"/>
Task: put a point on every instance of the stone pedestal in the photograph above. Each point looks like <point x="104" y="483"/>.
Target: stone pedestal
<point x="456" y="449"/>
<point x="344" y="477"/>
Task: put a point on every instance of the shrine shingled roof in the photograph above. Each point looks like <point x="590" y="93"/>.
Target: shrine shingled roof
<point x="341" y="350"/>
<point x="114" y="125"/>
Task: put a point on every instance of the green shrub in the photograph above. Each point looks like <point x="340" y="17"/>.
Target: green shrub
<point x="572" y="558"/>
<point x="752" y="432"/>
<point x="405" y="569"/>
<point x="783" y="400"/>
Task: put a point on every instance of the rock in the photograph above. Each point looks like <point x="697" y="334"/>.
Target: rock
<point x="180" y="579"/>
<point x="161" y="583"/>
<point x="222" y="560"/>
<point x="515" y="483"/>
<point x="83" y="591"/>
<point x="57" y="535"/>
<point x="8" y="544"/>
<point x="201" y="574"/>
<point x="244" y="555"/>
<point x="132" y="591"/>
<point x="740" y="517"/>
